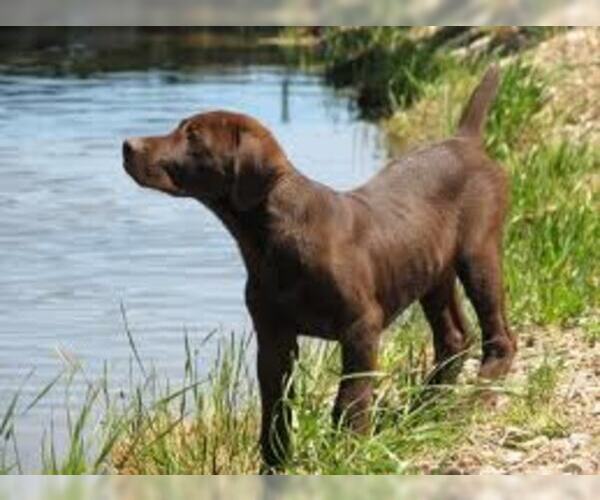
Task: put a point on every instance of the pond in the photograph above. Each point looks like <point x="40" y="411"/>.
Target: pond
<point x="79" y="238"/>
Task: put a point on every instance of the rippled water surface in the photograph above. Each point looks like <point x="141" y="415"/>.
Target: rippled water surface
<point x="78" y="237"/>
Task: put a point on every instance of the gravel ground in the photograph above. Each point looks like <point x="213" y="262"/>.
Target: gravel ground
<point x="495" y="447"/>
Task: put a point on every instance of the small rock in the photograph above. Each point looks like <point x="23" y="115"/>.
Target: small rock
<point x="579" y="439"/>
<point x="596" y="410"/>
<point x="572" y="467"/>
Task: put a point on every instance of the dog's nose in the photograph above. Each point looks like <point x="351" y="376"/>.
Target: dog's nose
<point x="127" y="150"/>
<point x="132" y="146"/>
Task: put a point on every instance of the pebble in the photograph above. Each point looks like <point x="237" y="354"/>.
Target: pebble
<point x="579" y="439"/>
<point x="573" y="467"/>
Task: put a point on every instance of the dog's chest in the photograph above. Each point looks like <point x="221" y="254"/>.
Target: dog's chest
<point x="303" y="291"/>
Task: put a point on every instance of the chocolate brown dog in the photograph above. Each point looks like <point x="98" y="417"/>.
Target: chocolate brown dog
<point x="343" y="265"/>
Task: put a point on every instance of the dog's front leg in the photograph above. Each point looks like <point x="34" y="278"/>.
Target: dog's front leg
<point x="359" y="361"/>
<point x="276" y="355"/>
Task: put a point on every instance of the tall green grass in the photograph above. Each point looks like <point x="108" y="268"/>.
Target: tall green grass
<point x="209" y="425"/>
<point x="521" y="96"/>
<point x="552" y="251"/>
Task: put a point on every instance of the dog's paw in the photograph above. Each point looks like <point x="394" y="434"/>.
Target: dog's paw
<point x="494" y="367"/>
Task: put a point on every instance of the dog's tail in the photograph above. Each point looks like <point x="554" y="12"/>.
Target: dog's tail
<point x="474" y="115"/>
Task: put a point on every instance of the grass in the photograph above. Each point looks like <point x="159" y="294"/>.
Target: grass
<point x="537" y="409"/>
<point x="208" y="423"/>
<point x="552" y="251"/>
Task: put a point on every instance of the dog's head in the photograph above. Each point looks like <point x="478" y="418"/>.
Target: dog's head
<point x="214" y="157"/>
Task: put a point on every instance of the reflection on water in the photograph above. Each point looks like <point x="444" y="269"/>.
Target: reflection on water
<point x="78" y="236"/>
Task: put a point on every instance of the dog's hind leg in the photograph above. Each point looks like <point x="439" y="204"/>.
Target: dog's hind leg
<point x="481" y="274"/>
<point x="444" y="314"/>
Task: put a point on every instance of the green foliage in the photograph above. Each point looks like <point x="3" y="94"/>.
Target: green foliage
<point x="520" y="97"/>
<point x="552" y="251"/>
<point x="386" y="68"/>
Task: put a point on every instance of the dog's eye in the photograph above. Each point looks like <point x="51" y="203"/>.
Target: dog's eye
<point x="190" y="134"/>
<point x="194" y="136"/>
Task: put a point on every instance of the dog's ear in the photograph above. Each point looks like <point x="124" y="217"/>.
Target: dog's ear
<point x="252" y="172"/>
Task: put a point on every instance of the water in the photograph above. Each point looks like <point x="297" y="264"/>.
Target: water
<point x="78" y="237"/>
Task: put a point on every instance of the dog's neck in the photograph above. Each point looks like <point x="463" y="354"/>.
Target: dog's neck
<point x="286" y="199"/>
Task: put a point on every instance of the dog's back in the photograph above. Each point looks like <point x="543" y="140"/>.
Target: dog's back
<point x="428" y="206"/>
<point x="439" y="171"/>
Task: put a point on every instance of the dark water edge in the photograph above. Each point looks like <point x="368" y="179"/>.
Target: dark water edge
<point x="84" y="52"/>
